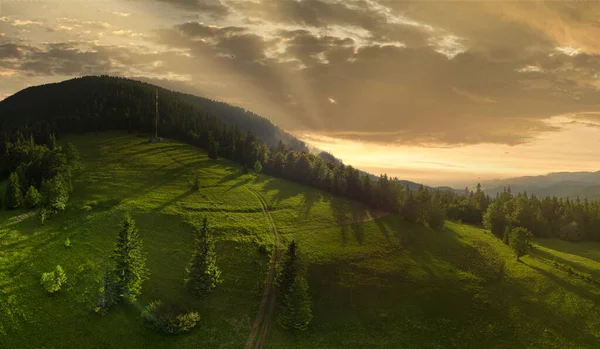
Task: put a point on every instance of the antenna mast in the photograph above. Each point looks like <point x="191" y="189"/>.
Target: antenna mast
<point x="156" y="118"/>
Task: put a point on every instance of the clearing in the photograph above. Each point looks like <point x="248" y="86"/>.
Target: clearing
<point x="375" y="283"/>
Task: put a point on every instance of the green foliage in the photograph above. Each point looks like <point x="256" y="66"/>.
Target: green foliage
<point x="520" y="240"/>
<point x="195" y="181"/>
<point x="33" y="197"/>
<point x="43" y="215"/>
<point x="213" y="148"/>
<point x="108" y="292"/>
<point x="295" y="307"/>
<point x="203" y="275"/>
<point x="13" y="198"/>
<point x="435" y="215"/>
<point x="167" y="319"/>
<point x="257" y="167"/>
<point x="288" y="269"/>
<point x="53" y="281"/>
<point x="294" y="304"/>
<point x="130" y="261"/>
<point x="67" y="242"/>
<point x="55" y="192"/>
<point x="495" y="219"/>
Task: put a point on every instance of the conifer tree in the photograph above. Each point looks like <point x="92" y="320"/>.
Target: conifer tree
<point x="13" y="197"/>
<point x="287" y="270"/>
<point x="130" y="261"/>
<point x="213" y="148"/>
<point x="295" y="311"/>
<point x="33" y="198"/>
<point x="203" y="275"/>
<point x="292" y="292"/>
<point x="257" y="167"/>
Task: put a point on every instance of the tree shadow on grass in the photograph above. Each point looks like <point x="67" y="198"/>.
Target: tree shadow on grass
<point x="552" y="257"/>
<point x="583" y="293"/>
<point x="174" y="200"/>
<point x="349" y="215"/>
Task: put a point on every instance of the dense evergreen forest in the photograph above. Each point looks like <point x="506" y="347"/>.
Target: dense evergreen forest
<point x="93" y="104"/>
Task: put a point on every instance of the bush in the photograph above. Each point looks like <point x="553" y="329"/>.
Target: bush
<point x="33" y="197"/>
<point x="257" y="167"/>
<point x="54" y="280"/>
<point x="167" y="319"/>
<point x="68" y="242"/>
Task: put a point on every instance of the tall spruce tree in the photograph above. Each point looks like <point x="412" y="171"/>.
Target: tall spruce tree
<point x="13" y="197"/>
<point x="295" y="311"/>
<point x="130" y="261"/>
<point x="292" y="292"/>
<point x="203" y="275"/>
<point x="287" y="270"/>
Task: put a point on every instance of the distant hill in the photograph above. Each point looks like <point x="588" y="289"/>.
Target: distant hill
<point x="110" y="98"/>
<point x="561" y="184"/>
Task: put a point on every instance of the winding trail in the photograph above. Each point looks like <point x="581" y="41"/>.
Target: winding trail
<point x="267" y="302"/>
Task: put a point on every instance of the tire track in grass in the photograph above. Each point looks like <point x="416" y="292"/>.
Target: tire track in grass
<point x="267" y="303"/>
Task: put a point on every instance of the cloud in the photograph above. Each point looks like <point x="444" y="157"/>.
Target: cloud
<point x="212" y="8"/>
<point x="381" y="71"/>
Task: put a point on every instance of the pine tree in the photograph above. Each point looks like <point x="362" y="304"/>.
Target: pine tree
<point x="33" y="198"/>
<point x="287" y="270"/>
<point x="295" y="310"/>
<point x="213" y="148"/>
<point x="203" y="275"/>
<point x="292" y="292"/>
<point x="257" y="167"/>
<point x="13" y="197"/>
<point x="130" y="261"/>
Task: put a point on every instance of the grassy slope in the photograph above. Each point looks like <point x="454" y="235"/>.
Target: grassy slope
<point x="380" y="283"/>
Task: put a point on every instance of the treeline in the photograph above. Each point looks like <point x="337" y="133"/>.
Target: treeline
<point x="567" y="219"/>
<point x="39" y="173"/>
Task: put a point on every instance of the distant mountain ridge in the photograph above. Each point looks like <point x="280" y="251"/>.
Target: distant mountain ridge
<point x="561" y="184"/>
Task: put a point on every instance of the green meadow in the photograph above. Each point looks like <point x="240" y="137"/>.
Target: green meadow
<point x="374" y="282"/>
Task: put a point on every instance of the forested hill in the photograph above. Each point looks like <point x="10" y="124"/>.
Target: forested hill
<point x="96" y="103"/>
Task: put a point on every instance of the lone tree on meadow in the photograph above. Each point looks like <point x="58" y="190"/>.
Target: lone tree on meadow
<point x="203" y="275"/>
<point x="130" y="261"/>
<point x="13" y="197"/>
<point x="257" y="167"/>
<point x="292" y="293"/>
<point x="520" y="240"/>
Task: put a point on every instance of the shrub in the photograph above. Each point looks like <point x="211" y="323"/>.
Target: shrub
<point x="43" y="215"/>
<point x="68" y="242"/>
<point x="167" y="319"/>
<point x="54" y="280"/>
<point x="33" y="197"/>
<point x="257" y="167"/>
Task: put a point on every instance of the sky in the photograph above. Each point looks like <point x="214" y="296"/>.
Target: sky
<point x="445" y="93"/>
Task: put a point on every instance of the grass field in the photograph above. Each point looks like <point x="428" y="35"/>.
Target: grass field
<point x="379" y="283"/>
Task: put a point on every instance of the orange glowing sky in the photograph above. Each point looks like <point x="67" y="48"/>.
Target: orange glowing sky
<point x="444" y="93"/>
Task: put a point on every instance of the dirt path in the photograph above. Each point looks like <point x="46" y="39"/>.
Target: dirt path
<point x="267" y="303"/>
